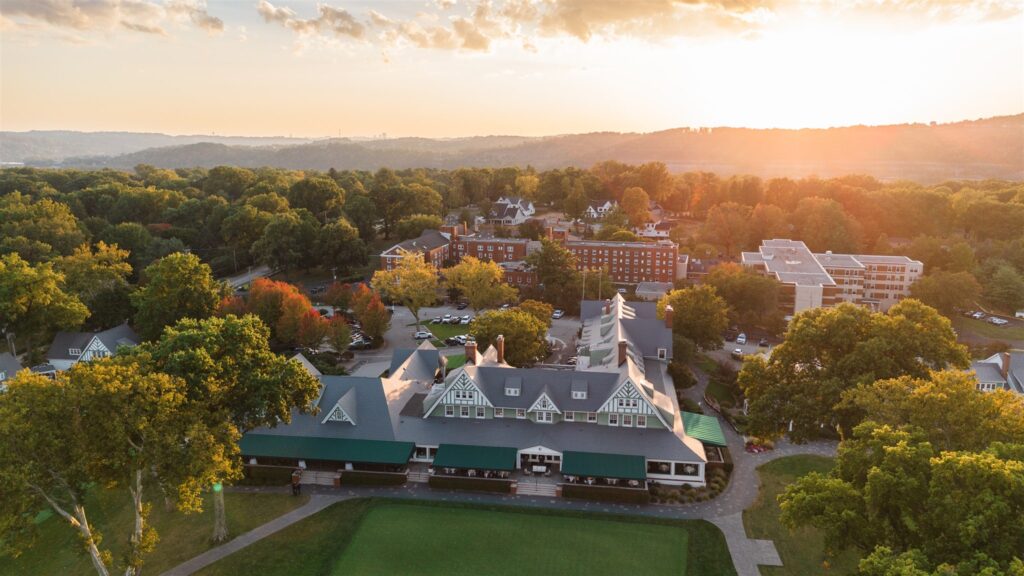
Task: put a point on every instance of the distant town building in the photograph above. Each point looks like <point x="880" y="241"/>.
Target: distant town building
<point x="812" y="280"/>
<point x="598" y="210"/>
<point x="628" y="262"/>
<point x="433" y="244"/>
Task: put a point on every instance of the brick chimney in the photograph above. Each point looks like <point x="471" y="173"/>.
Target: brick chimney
<point x="499" y="347"/>
<point x="669" y="314"/>
<point x="470" y="352"/>
<point x="622" y="352"/>
<point x="1004" y="369"/>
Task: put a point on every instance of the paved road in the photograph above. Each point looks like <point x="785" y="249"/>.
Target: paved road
<point x="249" y="276"/>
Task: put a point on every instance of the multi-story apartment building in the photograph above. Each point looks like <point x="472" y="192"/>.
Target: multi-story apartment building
<point x="488" y="248"/>
<point x="819" y="280"/>
<point x="434" y="245"/>
<point x="628" y="262"/>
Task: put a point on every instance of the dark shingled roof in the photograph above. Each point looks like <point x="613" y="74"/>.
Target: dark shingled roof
<point x="121" y="335"/>
<point x="428" y="240"/>
<point x="9" y="365"/>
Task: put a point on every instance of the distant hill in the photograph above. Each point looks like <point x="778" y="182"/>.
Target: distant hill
<point x="989" y="148"/>
<point x="40" y="146"/>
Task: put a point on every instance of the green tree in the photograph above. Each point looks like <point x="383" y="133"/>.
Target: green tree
<point x="525" y="335"/>
<point x="827" y="351"/>
<point x="232" y="376"/>
<point x="340" y="248"/>
<point x="575" y="203"/>
<point x="177" y="286"/>
<point x="321" y="196"/>
<point x="481" y="282"/>
<point x="413" y="283"/>
<point x="754" y="298"/>
<point x="699" y="317"/>
<point x="288" y="241"/>
<point x="635" y="203"/>
<point x="947" y="291"/>
<point x="532" y="229"/>
<point x="540" y="310"/>
<point x="339" y="333"/>
<point x="727" y="227"/>
<point x="104" y="423"/>
<point x="824" y="225"/>
<point x="414" y="225"/>
<point x="241" y="229"/>
<point x="228" y="181"/>
<point x="46" y="225"/>
<point x="1005" y="289"/>
<point x="556" y="272"/>
<point x="363" y="213"/>
<point x="33" y="301"/>
<point x="100" y="280"/>
<point x="766" y="221"/>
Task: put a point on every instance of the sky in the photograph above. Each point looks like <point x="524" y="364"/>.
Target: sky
<point x="447" y="68"/>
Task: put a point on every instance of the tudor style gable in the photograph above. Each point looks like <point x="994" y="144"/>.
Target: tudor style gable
<point x="95" y="349"/>
<point x="462" y="391"/>
<point x="628" y="399"/>
<point x="344" y="410"/>
<point x="544" y="404"/>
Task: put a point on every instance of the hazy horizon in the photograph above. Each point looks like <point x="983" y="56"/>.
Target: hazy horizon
<point x="446" y="69"/>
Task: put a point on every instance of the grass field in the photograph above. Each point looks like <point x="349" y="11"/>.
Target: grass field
<point x="802" y="550"/>
<point x="1012" y="331"/>
<point x="181" y="536"/>
<point x="382" y="537"/>
<point x="455" y="361"/>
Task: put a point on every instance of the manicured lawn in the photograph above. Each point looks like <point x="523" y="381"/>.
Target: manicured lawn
<point x="442" y="331"/>
<point x="802" y="550"/>
<point x="181" y="536"/>
<point x="1012" y="331"/>
<point x="456" y="360"/>
<point x="387" y="537"/>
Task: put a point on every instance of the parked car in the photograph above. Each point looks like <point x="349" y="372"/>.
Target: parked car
<point x="741" y="339"/>
<point x="360" y="345"/>
<point x="998" y="321"/>
<point x="621" y="290"/>
<point x="558" y="314"/>
<point x="466" y="319"/>
<point x="978" y="315"/>
<point x="462" y="306"/>
<point x="737" y="354"/>
<point x="763" y="342"/>
<point x="504" y="307"/>
<point x="452" y="341"/>
<point x="423" y="335"/>
<point x="436" y="320"/>
<point x="447" y="319"/>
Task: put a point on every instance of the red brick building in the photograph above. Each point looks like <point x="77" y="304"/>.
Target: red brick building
<point x="495" y="249"/>
<point x="434" y="245"/>
<point x="628" y="262"/>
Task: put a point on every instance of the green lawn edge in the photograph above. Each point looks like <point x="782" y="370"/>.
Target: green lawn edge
<point x="316" y="543"/>
<point x="801" y="550"/>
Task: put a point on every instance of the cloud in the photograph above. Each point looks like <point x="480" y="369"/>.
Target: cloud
<point x="330" y="19"/>
<point x="475" y="25"/>
<point x="143" y="16"/>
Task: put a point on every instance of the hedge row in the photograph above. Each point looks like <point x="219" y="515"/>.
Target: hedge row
<point x="606" y="493"/>
<point x="476" y="484"/>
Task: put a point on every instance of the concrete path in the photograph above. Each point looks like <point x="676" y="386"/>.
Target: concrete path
<point x="316" y="503"/>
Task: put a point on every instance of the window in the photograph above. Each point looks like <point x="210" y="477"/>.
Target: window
<point x="480" y="412"/>
<point x="499" y="412"/>
<point x="449" y="410"/>
<point x="75" y="351"/>
<point x="579" y="394"/>
<point x="520" y="413"/>
<point x="627" y="419"/>
<point x="613" y="419"/>
<point x="464" y="411"/>
<point x="641" y="421"/>
<point x="544" y="417"/>
<point x="662" y="353"/>
<point x="569" y="416"/>
<point x="465" y="395"/>
<point x="511" y="391"/>
<point x="591" y="417"/>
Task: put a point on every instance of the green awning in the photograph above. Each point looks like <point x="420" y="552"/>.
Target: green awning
<point x="475" y="457"/>
<point x="703" y="428"/>
<point x="604" y="465"/>
<point x="336" y="449"/>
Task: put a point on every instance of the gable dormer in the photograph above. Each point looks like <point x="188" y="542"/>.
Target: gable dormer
<point x="513" y="386"/>
<point x="543" y="403"/>
<point x="579" y="389"/>
<point x="461" y="391"/>
<point x="628" y="399"/>
<point x="344" y="410"/>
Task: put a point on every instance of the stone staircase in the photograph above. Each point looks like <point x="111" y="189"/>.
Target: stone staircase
<point x="421" y="477"/>
<point x="318" y="478"/>
<point x="528" y="488"/>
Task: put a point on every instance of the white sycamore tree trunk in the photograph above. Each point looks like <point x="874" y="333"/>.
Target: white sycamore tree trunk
<point x="79" y="521"/>
<point x="140" y="524"/>
<point x="220" y="520"/>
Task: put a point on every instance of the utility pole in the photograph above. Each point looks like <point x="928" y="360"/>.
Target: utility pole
<point x="10" y="343"/>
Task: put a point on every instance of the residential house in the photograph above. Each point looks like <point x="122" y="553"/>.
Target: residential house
<point x="525" y="206"/>
<point x="654" y="229"/>
<point x="69" y="348"/>
<point x="598" y="210"/>
<point x="511" y="211"/>
<point x="1003" y="371"/>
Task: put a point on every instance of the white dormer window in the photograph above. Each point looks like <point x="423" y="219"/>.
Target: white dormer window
<point x="511" y="391"/>
<point x="544" y="417"/>
<point x="579" y="395"/>
<point x="75" y="351"/>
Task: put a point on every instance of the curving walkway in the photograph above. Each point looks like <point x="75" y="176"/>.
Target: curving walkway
<point x="725" y="511"/>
